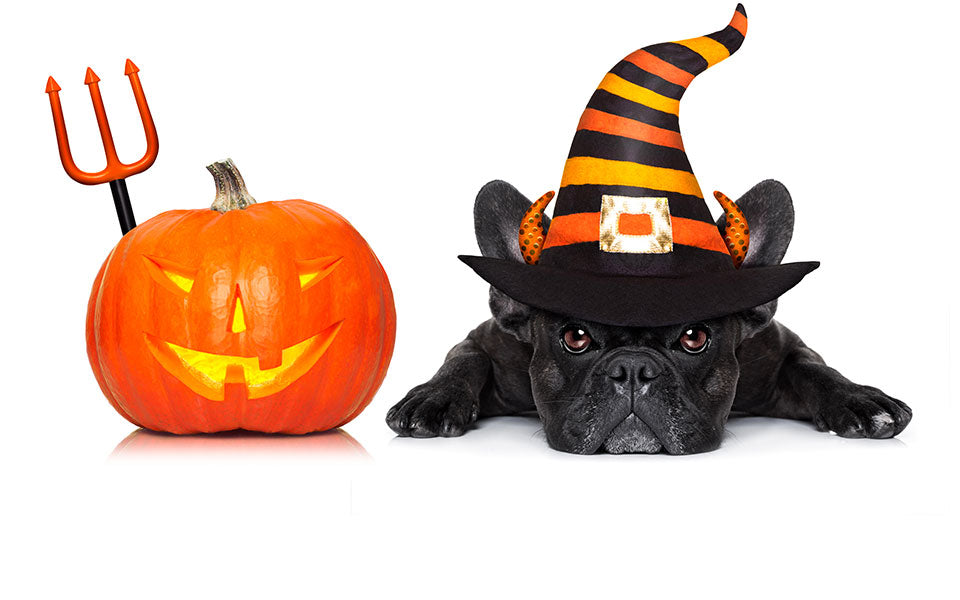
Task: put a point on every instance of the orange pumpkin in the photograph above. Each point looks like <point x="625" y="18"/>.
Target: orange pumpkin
<point x="273" y="317"/>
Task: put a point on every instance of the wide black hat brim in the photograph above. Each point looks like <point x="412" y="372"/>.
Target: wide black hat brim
<point x="638" y="301"/>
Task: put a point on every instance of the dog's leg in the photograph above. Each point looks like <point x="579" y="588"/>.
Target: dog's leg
<point x="449" y="403"/>
<point x="486" y="374"/>
<point x="834" y="403"/>
<point x="804" y="387"/>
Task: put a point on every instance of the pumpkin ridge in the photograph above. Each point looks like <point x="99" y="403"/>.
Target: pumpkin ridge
<point x="164" y="410"/>
<point x="123" y="379"/>
<point x="377" y="375"/>
<point x="287" y="414"/>
<point x="92" y="335"/>
<point x="181" y="420"/>
<point x="161" y="232"/>
<point x="320" y="213"/>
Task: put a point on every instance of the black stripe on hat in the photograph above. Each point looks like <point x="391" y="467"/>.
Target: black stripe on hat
<point x="655" y="83"/>
<point x="586" y="199"/>
<point x="729" y="37"/>
<point x="604" y="101"/>
<point x="683" y="260"/>
<point x="614" y="147"/>
<point x="679" y="56"/>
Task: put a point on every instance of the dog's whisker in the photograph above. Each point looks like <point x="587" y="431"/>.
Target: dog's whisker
<point x="758" y="358"/>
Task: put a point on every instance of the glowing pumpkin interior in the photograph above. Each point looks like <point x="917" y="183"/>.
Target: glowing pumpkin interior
<point x="224" y="376"/>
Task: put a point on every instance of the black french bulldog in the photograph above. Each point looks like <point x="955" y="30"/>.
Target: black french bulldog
<point x="646" y="390"/>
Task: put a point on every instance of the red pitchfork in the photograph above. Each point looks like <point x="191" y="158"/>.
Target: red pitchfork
<point x="115" y="172"/>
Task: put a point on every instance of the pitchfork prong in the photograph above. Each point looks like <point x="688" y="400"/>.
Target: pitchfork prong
<point x="63" y="143"/>
<point x="115" y="169"/>
<point x="93" y="83"/>
<point x="149" y="129"/>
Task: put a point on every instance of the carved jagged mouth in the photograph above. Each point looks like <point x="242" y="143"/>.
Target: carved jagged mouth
<point x="224" y="377"/>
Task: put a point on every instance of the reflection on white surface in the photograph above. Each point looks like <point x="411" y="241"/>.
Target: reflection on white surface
<point x="766" y="471"/>
<point x="514" y="438"/>
<point x="335" y="443"/>
<point x="523" y="437"/>
<point x="752" y="433"/>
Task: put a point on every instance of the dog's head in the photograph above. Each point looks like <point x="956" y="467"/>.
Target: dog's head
<point x="628" y="389"/>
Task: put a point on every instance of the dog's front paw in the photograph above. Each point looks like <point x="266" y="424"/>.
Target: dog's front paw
<point x="432" y="410"/>
<point x="863" y="411"/>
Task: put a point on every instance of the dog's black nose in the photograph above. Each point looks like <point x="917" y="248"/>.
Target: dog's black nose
<point x="639" y="367"/>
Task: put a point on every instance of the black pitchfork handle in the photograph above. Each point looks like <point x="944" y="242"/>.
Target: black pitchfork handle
<point x="121" y="199"/>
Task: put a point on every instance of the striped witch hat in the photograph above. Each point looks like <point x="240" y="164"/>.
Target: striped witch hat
<point x="632" y="242"/>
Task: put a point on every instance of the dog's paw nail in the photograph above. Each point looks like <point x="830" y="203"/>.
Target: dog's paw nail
<point x="882" y="425"/>
<point x="422" y="430"/>
<point x="451" y="429"/>
<point x="397" y="421"/>
<point x="850" y="431"/>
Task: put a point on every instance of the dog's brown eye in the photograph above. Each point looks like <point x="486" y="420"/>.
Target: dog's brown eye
<point x="694" y="339"/>
<point x="576" y="340"/>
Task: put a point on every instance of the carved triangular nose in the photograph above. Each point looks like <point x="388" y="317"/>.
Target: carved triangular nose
<point x="238" y="323"/>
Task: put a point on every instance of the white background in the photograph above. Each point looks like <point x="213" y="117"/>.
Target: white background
<point x="394" y="115"/>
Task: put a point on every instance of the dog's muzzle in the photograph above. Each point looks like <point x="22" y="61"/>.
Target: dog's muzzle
<point x="631" y="374"/>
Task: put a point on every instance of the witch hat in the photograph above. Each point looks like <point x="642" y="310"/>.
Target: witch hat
<point x="632" y="242"/>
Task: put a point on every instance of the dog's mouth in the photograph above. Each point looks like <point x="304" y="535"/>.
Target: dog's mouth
<point x="221" y="377"/>
<point x="632" y="436"/>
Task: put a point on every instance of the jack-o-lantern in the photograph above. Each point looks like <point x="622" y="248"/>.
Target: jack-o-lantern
<point x="272" y="316"/>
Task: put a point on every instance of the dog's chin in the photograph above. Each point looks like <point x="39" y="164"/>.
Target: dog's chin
<point x="632" y="436"/>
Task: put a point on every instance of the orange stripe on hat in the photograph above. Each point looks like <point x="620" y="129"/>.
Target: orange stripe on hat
<point x="619" y="86"/>
<point x="585" y="227"/>
<point x="595" y="120"/>
<point x="660" y="68"/>
<point x="587" y="170"/>
<point x="739" y="22"/>
<point x="710" y="49"/>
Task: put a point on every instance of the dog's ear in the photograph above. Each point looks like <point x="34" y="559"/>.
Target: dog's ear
<point x="768" y="209"/>
<point x="497" y="215"/>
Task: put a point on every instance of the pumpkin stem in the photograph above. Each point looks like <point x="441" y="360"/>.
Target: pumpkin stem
<point x="232" y="193"/>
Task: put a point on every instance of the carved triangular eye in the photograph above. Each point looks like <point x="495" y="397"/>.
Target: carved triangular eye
<point x="176" y="278"/>
<point x="314" y="270"/>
